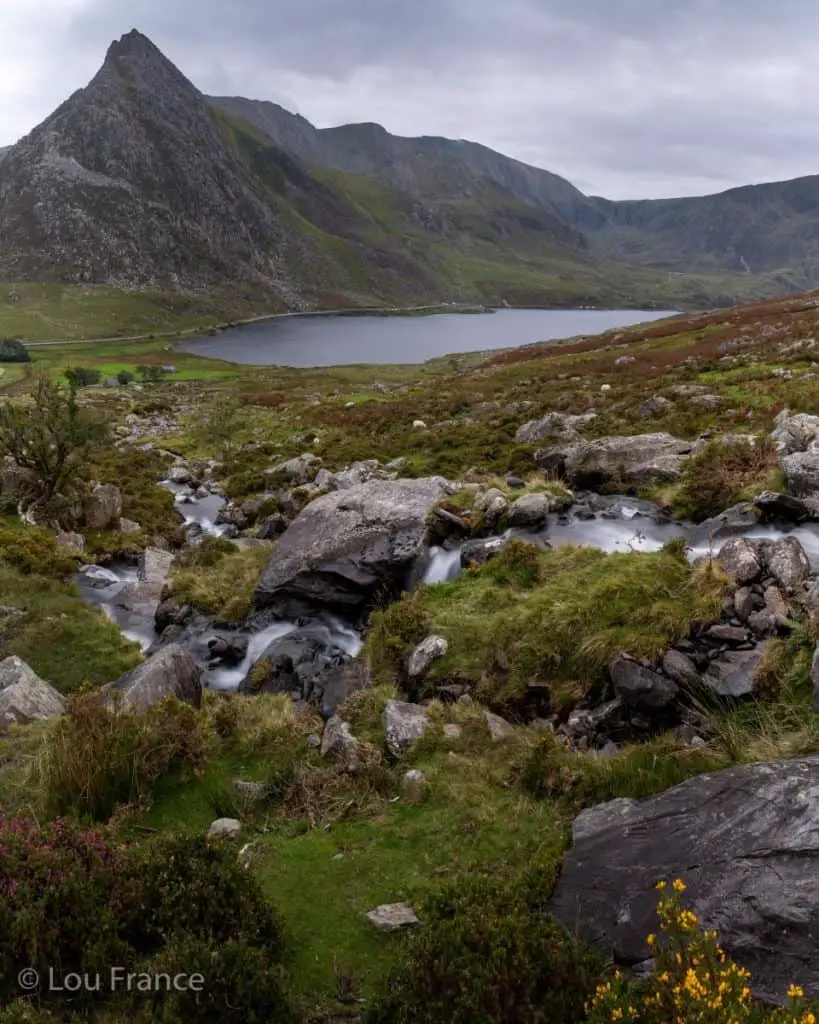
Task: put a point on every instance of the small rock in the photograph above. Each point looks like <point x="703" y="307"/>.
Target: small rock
<point x="404" y="724"/>
<point x="413" y="775"/>
<point x="787" y="562"/>
<point x="227" y="828"/>
<point x="430" y="650"/>
<point x="452" y="731"/>
<point x="739" y="558"/>
<point x="339" y="743"/>
<point x="515" y="483"/>
<point x="814" y="675"/>
<point x="681" y="669"/>
<point x="744" y="602"/>
<point x="103" y="507"/>
<point x="250" y="790"/>
<point x="393" y="917"/>
<point x="733" y="674"/>
<point x="499" y="728"/>
<point x="74" y="541"/>
<point x="128" y="526"/>
<point x="639" y="686"/>
<point x="727" y="634"/>
<point x="24" y="696"/>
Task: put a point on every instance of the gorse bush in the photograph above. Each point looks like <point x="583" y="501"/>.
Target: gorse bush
<point x="102" y="758"/>
<point x="488" y="953"/>
<point x="692" y="981"/>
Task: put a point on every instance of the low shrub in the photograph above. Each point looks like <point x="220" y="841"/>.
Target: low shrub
<point x="12" y="350"/>
<point x="692" y="979"/>
<point x="394" y="632"/>
<point x="35" y="552"/>
<point x="55" y="888"/>
<point x="722" y="475"/>
<point x="103" y="758"/>
<point x="73" y="901"/>
<point x="241" y="982"/>
<point x="488" y="953"/>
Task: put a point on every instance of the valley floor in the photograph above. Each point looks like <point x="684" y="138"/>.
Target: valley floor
<point x="531" y="635"/>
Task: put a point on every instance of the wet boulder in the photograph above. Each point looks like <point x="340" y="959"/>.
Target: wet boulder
<point x="744" y="841"/>
<point x="476" y="553"/>
<point x="294" y="663"/>
<point x="348" y="547"/>
<point x="171" y="672"/>
<point x="530" y="511"/>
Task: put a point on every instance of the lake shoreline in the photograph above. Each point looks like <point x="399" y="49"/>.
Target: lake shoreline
<point x="325" y="339"/>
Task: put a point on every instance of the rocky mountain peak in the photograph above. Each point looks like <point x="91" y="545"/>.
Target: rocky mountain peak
<point x="132" y="44"/>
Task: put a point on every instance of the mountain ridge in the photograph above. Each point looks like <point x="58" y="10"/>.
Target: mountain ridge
<point x="139" y="181"/>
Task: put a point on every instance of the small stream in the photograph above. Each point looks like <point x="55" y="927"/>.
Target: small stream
<point x="618" y="524"/>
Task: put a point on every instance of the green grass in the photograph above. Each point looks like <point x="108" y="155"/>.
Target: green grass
<point x="558" y="617"/>
<point x="62" y="638"/>
<point x="226" y="588"/>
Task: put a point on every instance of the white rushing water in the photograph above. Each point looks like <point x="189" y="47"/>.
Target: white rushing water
<point x="199" y="511"/>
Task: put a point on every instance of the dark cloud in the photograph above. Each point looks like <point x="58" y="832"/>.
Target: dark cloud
<point x="626" y="98"/>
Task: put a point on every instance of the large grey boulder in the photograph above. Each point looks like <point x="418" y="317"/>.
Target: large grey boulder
<point x="170" y="672"/>
<point x="627" y="462"/>
<point x="745" y="841"/>
<point x="24" y="696"/>
<point x="154" y="565"/>
<point x="103" y="507"/>
<point x="795" y="433"/>
<point x="802" y="473"/>
<point x="404" y="724"/>
<point x="346" y="547"/>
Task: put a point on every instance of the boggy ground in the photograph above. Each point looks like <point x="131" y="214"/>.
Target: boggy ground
<point x="326" y="844"/>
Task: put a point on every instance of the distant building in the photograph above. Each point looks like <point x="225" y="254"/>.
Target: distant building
<point x="169" y="369"/>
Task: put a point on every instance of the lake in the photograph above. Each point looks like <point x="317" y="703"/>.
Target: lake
<point x="304" y="341"/>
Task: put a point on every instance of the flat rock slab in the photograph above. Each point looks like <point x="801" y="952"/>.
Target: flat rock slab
<point x="745" y="841"/>
<point x="393" y="917"/>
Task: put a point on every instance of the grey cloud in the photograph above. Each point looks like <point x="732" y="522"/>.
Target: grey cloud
<point x="626" y="98"/>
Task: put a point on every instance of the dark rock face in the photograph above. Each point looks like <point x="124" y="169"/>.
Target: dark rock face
<point x="744" y="841"/>
<point x="638" y="686"/>
<point x="294" y="664"/>
<point x="130" y="182"/>
<point x="347" y="546"/>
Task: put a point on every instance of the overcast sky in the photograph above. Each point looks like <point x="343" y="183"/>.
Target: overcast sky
<point x="626" y="98"/>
